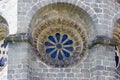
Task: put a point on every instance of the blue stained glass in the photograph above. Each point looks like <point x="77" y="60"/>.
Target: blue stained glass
<point x="3" y="52"/>
<point x="48" y="50"/>
<point x="67" y="54"/>
<point x="59" y="46"/>
<point x="64" y="38"/>
<point x="69" y="42"/>
<point x="60" y="51"/>
<point x="57" y="36"/>
<point x="48" y="44"/>
<point x="69" y="48"/>
<point x="60" y="57"/>
<point x="52" y="39"/>
<point x="4" y="44"/>
<point x="53" y="55"/>
<point x="2" y="61"/>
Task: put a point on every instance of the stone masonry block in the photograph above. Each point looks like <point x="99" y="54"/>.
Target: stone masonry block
<point x="60" y="74"/>
<point x="60" y="78"/>
<point x="54" y="70"/>
<point x="70" y="74"/>
<point x="98" y="1"/>
<point x="67" y="70"/>
<point x="85" y="70"/>
<point x="98" y="10"/>
<point x="89" y="0"/>
<point x="50" y="79"/>
<point x="51" y="74"/>
<point x="42" y="75"/>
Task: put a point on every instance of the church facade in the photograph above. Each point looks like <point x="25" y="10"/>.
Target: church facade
<point x="59" y="40"/>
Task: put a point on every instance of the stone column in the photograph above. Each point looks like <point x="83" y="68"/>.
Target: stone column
<point x="102" y="63"/>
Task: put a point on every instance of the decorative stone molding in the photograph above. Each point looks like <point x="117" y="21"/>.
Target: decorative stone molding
<point x="116" y="36"/>
<point x="60" y="42"/>
<point x="59" y="33"/>
<point x="3" y="43"/>
<point x="103" y="40"/>
<point x="116" y="33"/>
<point x="21" y="37"/>
<point x="3" y="28"/>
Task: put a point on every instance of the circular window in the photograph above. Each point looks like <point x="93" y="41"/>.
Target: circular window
<point x="59" y="33"/>
<point x="60" y="44"/>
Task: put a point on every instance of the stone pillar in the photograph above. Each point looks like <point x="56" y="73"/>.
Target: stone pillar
<point x="103" y="63"/>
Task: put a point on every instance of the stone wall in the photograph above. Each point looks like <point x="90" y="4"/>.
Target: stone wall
<point x="24" y="64"/>
<point x="18" y="64"/>
<point x="98" y="65"/>
<point x="3" y="73"/>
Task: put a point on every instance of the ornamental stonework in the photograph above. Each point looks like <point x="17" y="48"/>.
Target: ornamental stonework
<point x="59" y="34"/>
<point x="60" y="42"/>
<point x="3" y="43"/>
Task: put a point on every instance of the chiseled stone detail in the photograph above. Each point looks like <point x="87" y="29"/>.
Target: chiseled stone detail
<point x="116" y="31"/>
<point x="21" y="37"/>
<point x="102" y="13"/>
<point x="3" y="43"/>
<point x="53" y="48"/>
<point x="59" y="34"/>
<point x="103" y="40"/>
<point x="116" y="36"/>
<point x="3" y="28"/>
<point x="3" y="31"/>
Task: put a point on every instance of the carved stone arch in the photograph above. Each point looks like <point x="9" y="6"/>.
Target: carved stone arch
<point x="59" y="33"/>
<point x="116" y="36"/>
<point x="3" y="28"/>
<point x="3" y="43"/>
<point x="42" y="3"/>
<point x="116" y="27"/>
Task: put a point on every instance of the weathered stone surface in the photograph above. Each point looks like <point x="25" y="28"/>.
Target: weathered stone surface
<point x="24" y="64"/>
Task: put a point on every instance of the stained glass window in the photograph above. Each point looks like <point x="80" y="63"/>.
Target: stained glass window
<point x="59" y="46"/>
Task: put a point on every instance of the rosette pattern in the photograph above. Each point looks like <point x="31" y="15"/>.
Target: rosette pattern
<point x="60" y="42"/>
<point x="59" y="46"/>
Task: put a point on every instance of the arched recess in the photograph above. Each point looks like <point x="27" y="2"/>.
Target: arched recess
<point x="116" y="36"/>
<point x="3" y="43"/>
<point x="116" y="26"/>
<point x="3" y="28"/>
<point x="116" y="33"/>
<point x="59" y="32"/>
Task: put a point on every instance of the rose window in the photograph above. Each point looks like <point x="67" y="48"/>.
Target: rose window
<point x="60" y="42"/>
<point x="59" y="46"/>
<point x="59" y="34"/>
